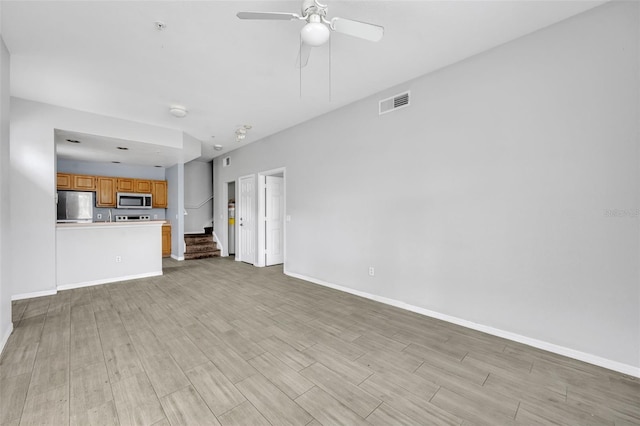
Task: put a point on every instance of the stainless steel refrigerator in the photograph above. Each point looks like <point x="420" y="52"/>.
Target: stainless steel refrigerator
<point x="75" y="206"/>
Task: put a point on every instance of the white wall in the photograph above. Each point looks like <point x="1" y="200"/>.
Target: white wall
<point x="198" y="189"/>
<point x="175" y="209"/>
<point x="33" y="186"/>
<point x="87" y="253"/>
<point x="5" y="229"/>
<point x="486" y="200"/>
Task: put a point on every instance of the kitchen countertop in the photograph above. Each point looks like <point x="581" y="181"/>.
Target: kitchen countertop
<point x="111" y="224"/>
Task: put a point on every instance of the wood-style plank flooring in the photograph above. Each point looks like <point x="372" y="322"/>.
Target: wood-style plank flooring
<point x="218" y="342"/>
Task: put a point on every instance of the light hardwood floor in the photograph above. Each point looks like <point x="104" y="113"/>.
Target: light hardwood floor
<point x="215" y="341"/>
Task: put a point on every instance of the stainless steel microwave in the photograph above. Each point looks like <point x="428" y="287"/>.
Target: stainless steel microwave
<point x="129" y="200"/>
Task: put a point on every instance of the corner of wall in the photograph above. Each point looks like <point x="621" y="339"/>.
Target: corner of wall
<point x="6" y="326"/>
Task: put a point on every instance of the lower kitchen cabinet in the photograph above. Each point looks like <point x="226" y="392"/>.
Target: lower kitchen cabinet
<point x="166" y="240"/>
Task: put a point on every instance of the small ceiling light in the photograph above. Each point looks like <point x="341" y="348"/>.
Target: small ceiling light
<point x="160" y="25"/>
<point x="217" y="147"/>
<point x="315" y="33"/>
<point x="123" y="148"/>
<point x="241" y="132"/>
<point x="73" y="141"/>
<point x="178" y="111"/>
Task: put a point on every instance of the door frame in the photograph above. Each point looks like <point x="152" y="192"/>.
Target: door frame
<point x="225" y="217"/>
<point x="237" y="226"/>
<point x="260" y="243"/>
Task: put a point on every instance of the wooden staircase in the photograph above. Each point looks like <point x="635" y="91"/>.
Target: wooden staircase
<point x="200" y="246"/>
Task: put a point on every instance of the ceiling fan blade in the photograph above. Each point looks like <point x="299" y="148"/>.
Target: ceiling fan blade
<point x="278" y="16"/>
<point x="303" y="55"/>
<point x="359" y="29"/>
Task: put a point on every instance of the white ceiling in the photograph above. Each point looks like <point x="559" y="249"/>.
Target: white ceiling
<point x="107" y="57"/>
<point x="103" y="149"/>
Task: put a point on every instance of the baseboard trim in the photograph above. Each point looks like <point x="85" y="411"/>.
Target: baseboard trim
<point x="5" y="337"/>
<point x="109" y="280"/>
<point x="178" y="258"/>
<point x="34" y="294"/>
<point x="540" y="344"/>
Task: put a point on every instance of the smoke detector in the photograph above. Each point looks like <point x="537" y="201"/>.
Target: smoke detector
<point x="178" y="111"/>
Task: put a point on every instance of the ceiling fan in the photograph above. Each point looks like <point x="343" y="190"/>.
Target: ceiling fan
<point x="317" y="30"/>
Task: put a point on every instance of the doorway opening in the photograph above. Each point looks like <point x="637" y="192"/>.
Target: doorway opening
<point x="271" y="217"/>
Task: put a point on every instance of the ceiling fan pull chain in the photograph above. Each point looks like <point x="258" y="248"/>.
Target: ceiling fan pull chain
<point x="330" y="70"/>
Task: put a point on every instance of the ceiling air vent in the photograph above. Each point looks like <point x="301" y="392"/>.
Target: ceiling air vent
<point x="395" y="102"/>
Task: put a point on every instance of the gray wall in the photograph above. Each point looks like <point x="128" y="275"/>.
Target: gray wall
<point x="5" y="246"/>
<point x="198" y="189"/>
<point x="490" y="198"/>
<point x="110" y="169"/>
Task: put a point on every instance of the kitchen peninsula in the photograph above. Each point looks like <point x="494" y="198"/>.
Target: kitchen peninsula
<point x="103" y="252"/>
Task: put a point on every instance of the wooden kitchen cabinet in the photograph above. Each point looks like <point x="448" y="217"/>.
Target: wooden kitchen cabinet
<point x="84" y="183"/>
<point x="159" y="194"/>
<point x="73" y="182"/>
<point x="105" y="191"/>
<point x="142" y="186"/>
<point x="107" y="187"/>
<point x="64" y="181"/>
<point x="166" y="240"/>
<point x="125" y="185"/>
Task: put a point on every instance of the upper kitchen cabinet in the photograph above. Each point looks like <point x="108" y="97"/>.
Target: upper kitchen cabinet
<point x="107" y="187"/>
<point x="64" y="181"/>
<point x="76" y="182"/>
<point x="159" y="194"/>
<point x="84" y="183"/>
<point x="105" y="191"/>
<point x="125" y="185"/>
<point x="142" y="186"/>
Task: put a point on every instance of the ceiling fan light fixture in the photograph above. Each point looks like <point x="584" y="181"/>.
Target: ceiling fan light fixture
<point x="315" y="34"/>
<point x="178" y="111"/>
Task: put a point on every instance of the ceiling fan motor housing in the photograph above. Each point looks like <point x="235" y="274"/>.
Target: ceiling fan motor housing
<point x="312" y="7"/>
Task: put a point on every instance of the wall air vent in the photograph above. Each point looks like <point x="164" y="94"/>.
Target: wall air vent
<point x="395" y="102"/>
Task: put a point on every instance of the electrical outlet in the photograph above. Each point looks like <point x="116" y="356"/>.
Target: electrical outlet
<point x="118" y="259"/>
<point x="288" y="218"/>
<point x="99" y="216"/>
<point x="155" y="216"/>
<point x="372" y="271"/>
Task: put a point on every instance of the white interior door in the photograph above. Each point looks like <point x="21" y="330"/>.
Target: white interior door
<point x="274" y="220"/>
<point x="246" y="217"/>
